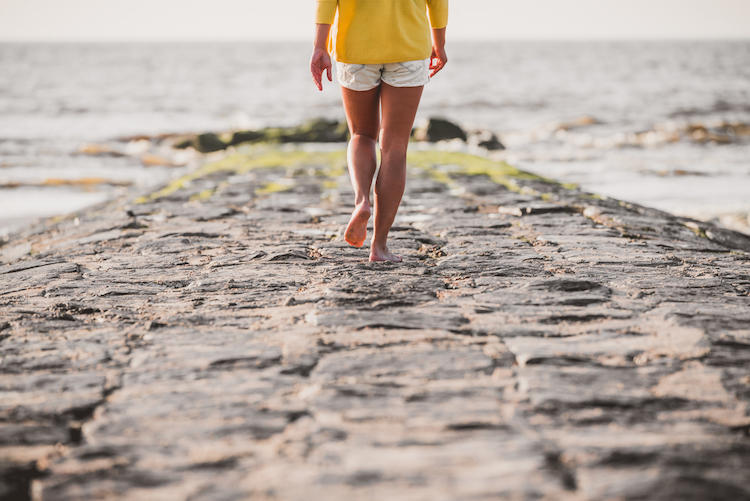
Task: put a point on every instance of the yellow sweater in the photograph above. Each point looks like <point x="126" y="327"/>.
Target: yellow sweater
<point x="381" y="31"/>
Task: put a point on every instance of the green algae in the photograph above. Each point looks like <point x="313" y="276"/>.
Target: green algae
<point x="470" y="164"/>
<point x="589" y="196"/>
<point x="274" y="187"/>
<point x="203" y="196"/>
<point x="451" y="162"/>
<point x="439" y="166"/>
<point x="327" y="164"/>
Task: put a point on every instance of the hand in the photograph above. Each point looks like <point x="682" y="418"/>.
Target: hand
<point x="320" y="61"/>
<point x="437" y="60"/>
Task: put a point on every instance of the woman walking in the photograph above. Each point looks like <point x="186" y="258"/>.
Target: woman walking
<point x="386" y="51"/>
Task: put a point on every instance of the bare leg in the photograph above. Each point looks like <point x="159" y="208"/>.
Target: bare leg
<point x="399" y="109"/>
<point x="362" y="113"/>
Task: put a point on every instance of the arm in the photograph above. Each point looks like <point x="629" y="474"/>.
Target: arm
<point x="320" y="60"/>
<point x="438" y="12"/>
<point x="438" y="57"/>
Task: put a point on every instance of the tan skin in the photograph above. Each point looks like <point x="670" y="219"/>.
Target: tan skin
<point x="369" y="125"/>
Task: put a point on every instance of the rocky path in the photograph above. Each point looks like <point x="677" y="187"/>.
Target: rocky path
<point x="217" y="340"/>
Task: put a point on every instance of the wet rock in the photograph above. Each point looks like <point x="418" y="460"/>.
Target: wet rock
<point x="485" y="139"/>
<point x="437" y="129"/>
<point x="245" y="136"/>
<point x="208" y="142"/>
<point x="314" y="131"/>
<point x="183" y="142"/>
<point x="204" y="143"/>
<point x="322" y="131"/>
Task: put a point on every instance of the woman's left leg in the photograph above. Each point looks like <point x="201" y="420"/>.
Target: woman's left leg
<point x="399" y="108"/>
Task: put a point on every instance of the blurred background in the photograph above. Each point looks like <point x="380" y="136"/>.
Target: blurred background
<point x="645" y="101"/>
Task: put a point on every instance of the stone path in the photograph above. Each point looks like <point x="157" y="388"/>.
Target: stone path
<point x="218" y="340"/>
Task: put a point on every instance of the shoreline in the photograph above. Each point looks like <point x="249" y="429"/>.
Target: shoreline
<point x="206" y="163"/>
<point x="172" y="154"/>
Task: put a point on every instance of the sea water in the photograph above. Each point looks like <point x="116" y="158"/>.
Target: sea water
<point x="56" y="97"/>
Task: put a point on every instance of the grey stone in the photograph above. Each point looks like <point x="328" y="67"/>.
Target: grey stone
<point x="208" y="142"/>
<point x="438" y="129"/>
<point x="235" y="347"/>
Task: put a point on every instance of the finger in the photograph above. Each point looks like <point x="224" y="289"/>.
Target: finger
<point x="437" y="68"/>
<point x="316" y="79"/>
<point x="328" y="72"/>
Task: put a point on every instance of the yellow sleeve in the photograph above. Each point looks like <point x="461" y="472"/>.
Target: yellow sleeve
<point x="438" y="10"/>
<point x="325" y="11"/>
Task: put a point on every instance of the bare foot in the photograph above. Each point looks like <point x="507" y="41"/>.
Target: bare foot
<point x="383" y="255"/>
<point x="356" y="230"/>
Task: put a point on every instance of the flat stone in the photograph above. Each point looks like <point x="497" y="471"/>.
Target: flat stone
<point x="221" y="341"/>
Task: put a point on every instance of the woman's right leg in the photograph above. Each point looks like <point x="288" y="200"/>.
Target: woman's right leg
<point x="363" y="116"/>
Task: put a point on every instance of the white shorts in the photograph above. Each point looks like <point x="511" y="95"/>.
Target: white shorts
<point x="363" y="77"/>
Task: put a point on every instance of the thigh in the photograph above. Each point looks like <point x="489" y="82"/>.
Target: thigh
<point x="362" y="110"/>
<point x="399" y="110"/>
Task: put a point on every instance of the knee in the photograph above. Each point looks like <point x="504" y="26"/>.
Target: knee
<point x="389" y="144"/>
<point x="364" y="136"/>
<point x="393" y="152"/>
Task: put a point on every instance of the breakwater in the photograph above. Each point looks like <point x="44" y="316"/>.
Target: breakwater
<point x="216" y="339"/>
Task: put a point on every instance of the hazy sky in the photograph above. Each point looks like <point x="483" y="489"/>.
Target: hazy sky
<point x="103" y="20"/>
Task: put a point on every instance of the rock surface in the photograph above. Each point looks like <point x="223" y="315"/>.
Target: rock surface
<point x="314" y="131"/>
<point x="217" y="340"/>
<point x="438" y="129"/>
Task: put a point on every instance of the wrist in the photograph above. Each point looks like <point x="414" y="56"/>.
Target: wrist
<point x="320" y="42"/>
